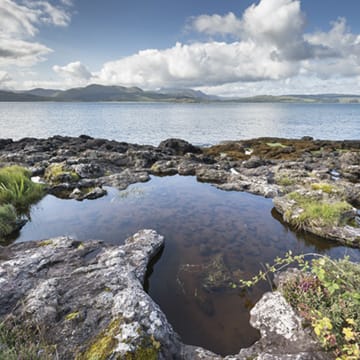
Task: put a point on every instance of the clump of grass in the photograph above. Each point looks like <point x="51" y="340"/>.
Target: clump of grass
<point x="21" y="341"/>
<point x="326" y="188"/>
<point x="17" y="193"/>
<point x="316" y="212"/>
<point x="8" y="220"/>
<point x="16" y="188"/>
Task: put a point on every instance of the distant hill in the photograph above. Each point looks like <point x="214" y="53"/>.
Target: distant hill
<point x="188" y="93"/>
<point x="11" y="96"/>
<point x="319" y="98"/>
<point x="96" y="92"/>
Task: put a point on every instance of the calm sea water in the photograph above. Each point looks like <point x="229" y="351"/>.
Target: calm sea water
<point x="201" y="124"/>
<point x="200" y="223"/>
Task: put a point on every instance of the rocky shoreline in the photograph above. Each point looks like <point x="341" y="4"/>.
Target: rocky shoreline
<point x="88" y="297"/>
<point x="325" y="172"/>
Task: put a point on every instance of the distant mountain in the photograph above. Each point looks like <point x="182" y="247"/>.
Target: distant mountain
<point x="12" y="96"/>
<point x="196" y="94"/>
<point x="42" y="92"/>
<point x="96" y="92"/>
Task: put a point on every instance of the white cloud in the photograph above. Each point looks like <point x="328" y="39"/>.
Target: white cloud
<point x="74" y="71"/>
<point x="217" y="24"/>
<point x="271" y="47"/>
<point x="20" y="22"/>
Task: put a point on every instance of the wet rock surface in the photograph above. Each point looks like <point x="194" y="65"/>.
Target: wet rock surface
<point x="272" y="167"/>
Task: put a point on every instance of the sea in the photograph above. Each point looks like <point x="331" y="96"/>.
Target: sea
<point x="199" y="123"/>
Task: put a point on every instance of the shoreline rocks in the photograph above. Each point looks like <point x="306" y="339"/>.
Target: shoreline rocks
<point x="89" y="301"/>
<point x="79" y="167"/>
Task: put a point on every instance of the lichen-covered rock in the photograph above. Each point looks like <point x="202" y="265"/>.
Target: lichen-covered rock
<point x="88" y="297"/>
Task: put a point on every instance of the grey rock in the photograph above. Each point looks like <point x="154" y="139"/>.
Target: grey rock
<point x="76" y="291"/>
<point x="178" y="147"/>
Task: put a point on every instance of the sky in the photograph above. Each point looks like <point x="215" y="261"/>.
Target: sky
<point x="222" y="47"/>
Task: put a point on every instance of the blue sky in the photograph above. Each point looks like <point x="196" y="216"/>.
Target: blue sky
<point x="229" y="47"/>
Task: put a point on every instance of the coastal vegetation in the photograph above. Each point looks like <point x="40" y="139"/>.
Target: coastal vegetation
<point x="326" y="294"/>
<point x="316" y="212"/>
<point x="17" y="193"/>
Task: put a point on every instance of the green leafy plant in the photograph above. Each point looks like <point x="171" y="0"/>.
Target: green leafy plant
<point x="326" y="293"/>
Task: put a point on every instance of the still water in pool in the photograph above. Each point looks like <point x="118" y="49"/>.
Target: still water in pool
<point x="212" y="238"/>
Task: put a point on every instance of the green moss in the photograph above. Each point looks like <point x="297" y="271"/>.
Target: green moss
<point x="149" y="350"/>
<point x="317" y="212"/>
<point x="327" y="188"/>
<point x="45" y="243"/>
<point x="103" y="345"/>
<point x="56" y="172"/>
<point x="72" y="316"/>
<point x="276" y="144"/>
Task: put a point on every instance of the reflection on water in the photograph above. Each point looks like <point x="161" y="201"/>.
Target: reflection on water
<point x="212" y="237"/>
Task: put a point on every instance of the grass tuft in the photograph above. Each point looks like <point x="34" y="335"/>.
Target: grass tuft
<point x="16" y="188"/>
<point x="317" y="212"/>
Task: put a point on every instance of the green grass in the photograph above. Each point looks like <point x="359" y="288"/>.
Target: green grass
<point x="21" y="342"/>
<point x="8" y="220"/>
<point x="16" y="188"/>
<point x="327" y="188"/>
<point x="317" y="212"/>
<point x="17" y="193"/>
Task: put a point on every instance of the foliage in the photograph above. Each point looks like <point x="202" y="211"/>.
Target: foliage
<point x="16" y="188"/>
<point x="317" y="212"/>
<point x="17" y="193"/>
<point x="326" y="293"/>
<point x="22" y="342"/>
<point x="8" y="220"/>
